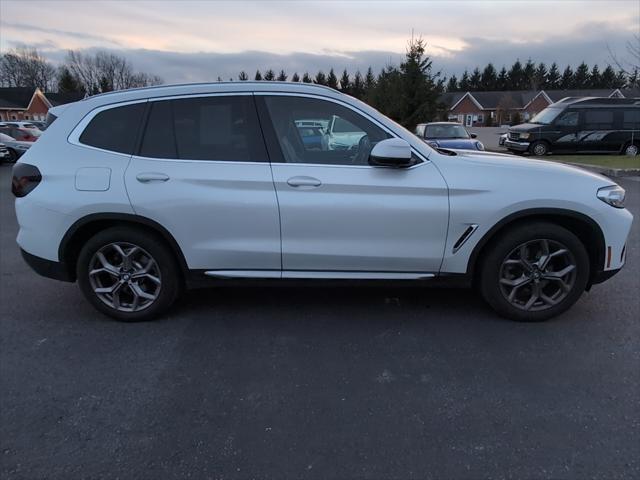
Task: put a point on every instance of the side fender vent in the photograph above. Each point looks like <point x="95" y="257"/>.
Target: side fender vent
<point x="464" y="237"/>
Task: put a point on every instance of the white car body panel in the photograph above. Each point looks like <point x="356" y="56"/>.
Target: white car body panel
<point x="226" y="216"/>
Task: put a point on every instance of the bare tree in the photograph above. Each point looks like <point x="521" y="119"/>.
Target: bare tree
<point x="632" y="62"/>
<point x="25" y="67"/>
<point x="106" y="71"/>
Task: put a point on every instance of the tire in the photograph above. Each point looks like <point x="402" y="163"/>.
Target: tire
<point x="556" y="285"/>
<point x="631" y="149"/>
<point x="142" y="287"/>
<point x="539" y="148"/>
<point x="13" y="156"/>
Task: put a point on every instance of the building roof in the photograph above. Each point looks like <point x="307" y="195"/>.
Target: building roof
<point x="519" y="99"/>
<point x="61" y="98"/>
<point x="15" y="97"/>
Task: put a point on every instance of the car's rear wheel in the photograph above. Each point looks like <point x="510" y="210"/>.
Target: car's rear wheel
<point x="539" y="148"/>
<point x="534" y="272"/>
<point x="128" y="274"/>
<point x="13" y="156"/>
<point x="632" y="149"/>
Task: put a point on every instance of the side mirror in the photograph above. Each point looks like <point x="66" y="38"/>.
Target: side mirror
<point x="392" y="152"/>
<point x="473" y="135"/>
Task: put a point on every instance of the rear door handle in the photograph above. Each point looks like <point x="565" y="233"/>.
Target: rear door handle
<point x="308" y="182"/>
<point x="147" y="177"/>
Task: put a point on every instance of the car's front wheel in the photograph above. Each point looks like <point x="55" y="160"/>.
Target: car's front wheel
<point x="534" y="272"/>
<point x="539" y="148"/>
<point x="128" y="274"/>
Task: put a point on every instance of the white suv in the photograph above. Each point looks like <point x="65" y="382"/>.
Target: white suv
<point x="139" y="193"/>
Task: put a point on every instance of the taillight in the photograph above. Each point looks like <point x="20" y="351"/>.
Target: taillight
<point x="25" y="178"/>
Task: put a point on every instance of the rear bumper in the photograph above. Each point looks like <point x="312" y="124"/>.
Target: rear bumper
<point x="518" y="146"/>
<point x="47" y="268"/>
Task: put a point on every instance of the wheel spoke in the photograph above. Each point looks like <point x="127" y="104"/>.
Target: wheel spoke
<point x="138" y="292"/>
<point x="560" y="274"/>
<point x="535" y="295"/>
<point x="516" y="282"/>
<point x="108" y="266"/>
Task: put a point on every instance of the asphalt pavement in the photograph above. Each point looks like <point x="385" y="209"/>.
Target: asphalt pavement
<point x="326" y="383"/>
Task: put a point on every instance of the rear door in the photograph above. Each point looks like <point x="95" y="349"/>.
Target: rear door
<point x="202" y="172"/>
<point x="598" y="133"/>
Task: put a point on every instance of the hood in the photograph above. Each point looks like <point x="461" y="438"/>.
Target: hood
<point x="527" y="127"/>
<point x="503" y="160"/>
<point x="463" y="143"/>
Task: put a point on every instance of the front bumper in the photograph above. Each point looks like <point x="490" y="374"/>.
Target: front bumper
<point x="518" y="146"/>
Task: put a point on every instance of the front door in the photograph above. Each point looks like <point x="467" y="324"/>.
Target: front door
<point x="338" y="213"/>
<point x="203" y="173"/>
<point x="469" y="122"/>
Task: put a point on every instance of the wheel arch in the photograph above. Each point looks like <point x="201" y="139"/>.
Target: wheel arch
<point x="87" y="226"/>
<point x="584" y="227"/>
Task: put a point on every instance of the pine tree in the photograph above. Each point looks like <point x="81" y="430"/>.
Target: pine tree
<point x="295" y="77"/>
<point x="357" y="87"/>
<point x="332" y="80"/>
<point x="515" y="77"/>
<point x="553" y="78"/>
<point x="270" y="75"/>
<point x="282" y="76"/>
<point x="420" y="86"/>
<point x="67" y="83"/>
<point x="258" y="75"/>
<point x="345" y="82"/>
<point x="465" y="85"/>
<point x="105" y="85"/>
<point x="566" y="81"/>
<point x="633" y="79"/>
<point x="595" y="79"/>
<point x="321" y="78"/>
<point x="608" y="78"/>
<point x="369" y="80"/>
<point x="529" y="73"/>
<point x="581" y="76"/>
<point x="475" y="80"/>
<point x="621" y="79"/>
<point x="243" y="76"/>
<point x="386" y="95"/>
<point x="502" y="82"/>
<point x="489" y="78"/>
<point x="306" y="78"/>
<point x="540" y="76"/>
<point x="452" y="84"/>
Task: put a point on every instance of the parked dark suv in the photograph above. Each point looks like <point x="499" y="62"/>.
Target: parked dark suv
<point x="589" y="125"/>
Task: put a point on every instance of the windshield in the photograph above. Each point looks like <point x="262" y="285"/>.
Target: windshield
<point x="546" y="116"/>
<point x="446" y="131"/>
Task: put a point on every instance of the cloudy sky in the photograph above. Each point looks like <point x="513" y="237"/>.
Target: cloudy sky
<point x="201" y="40"/>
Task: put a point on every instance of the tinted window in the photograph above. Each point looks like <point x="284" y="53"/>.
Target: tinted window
<point x="114" y="129"/>
<point x="568" y="119"/>
<point x="598" y="119"/>
<point x="159" y="140"/>
<point x="347" y="140"/>
<point x="218" y="128"/>
<point x="631" y="119"/>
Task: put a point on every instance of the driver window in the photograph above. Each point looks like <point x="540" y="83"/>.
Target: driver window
<point x="568" y="119"/>
<point x="321" y="132"/>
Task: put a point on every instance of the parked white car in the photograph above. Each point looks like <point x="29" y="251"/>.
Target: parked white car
<point x="139" y="193"/>
<point x="15" y="148"/>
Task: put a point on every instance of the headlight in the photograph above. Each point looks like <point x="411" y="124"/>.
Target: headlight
<point x="524" y="136"/>
<point x="479" y="146"/>
<point x="613" y="195"/>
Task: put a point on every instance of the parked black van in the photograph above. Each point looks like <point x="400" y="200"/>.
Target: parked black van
<point x="579" y="124"/>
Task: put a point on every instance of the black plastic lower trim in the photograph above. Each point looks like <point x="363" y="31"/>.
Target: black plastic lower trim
<point x="47" y="268"/>
<point x="604" y="275"/>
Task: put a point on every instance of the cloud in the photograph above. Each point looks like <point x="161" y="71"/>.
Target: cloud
<point x="25" y="27"/>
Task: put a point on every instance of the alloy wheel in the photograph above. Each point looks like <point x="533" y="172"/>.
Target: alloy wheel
<point x="537" y="275"/>
<point x="125" y="277"/>
<point x="632" y="150"/>
<point x="540" y="149"/>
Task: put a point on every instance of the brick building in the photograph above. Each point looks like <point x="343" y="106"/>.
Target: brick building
<point x="475" y="109"/>
<point x="21" y="103"/>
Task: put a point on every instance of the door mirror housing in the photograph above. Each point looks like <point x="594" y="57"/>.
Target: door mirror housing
<point x="473" y="135"/>
<point x="392" y="152"/>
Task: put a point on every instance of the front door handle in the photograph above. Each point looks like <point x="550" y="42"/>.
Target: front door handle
<point x="308" y="182"/>
<point x="147" y="177"/>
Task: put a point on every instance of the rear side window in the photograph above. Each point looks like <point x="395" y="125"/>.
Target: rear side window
<point x="115" y="129"/>
<point x="594" y="119"/>
<point x="631" y="119"/>
<point x="223" y="128"/>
